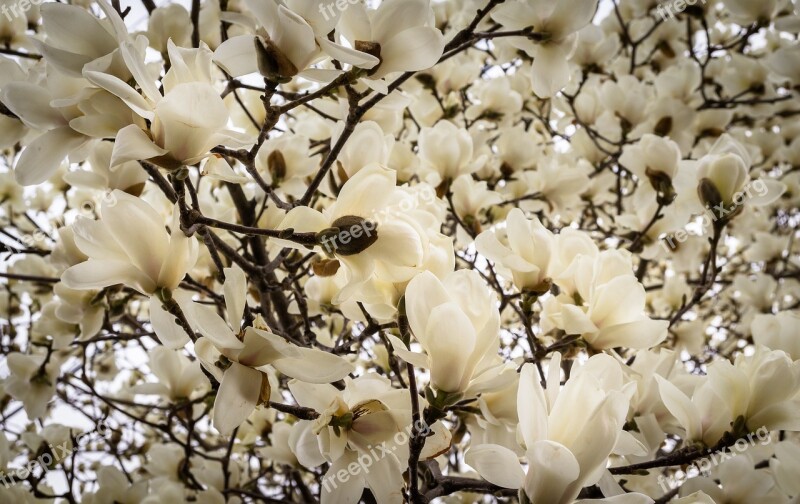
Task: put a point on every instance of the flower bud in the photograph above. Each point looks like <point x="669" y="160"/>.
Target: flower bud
<point x="349" y="235"/>
<point x="272" y="63"/>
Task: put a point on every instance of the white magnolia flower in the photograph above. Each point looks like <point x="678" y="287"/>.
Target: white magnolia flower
<point x="608" y="306"/>
<point x="238" y="358"/>
<point x="724" y="180"/>
<point x="400" y="34"/>
<point x="185" y="123"/>
<point x="179" y="378"/>
<point x="565" y="450"/>
<point x="369" y="413"/>
<point x="653" y="158"/>
<point x="375" y="228"/>
<point x="32" y="381"/>
<point x="130" y="246"/>
<point x="738" y="398"/>
<point x="457" y="312"/>
<point x="524" y="248"/>
<point x="556" y="24"/>
<point x="446" y="150"/>
<point x="69" y="116"/>
<point x="290" y="38"/>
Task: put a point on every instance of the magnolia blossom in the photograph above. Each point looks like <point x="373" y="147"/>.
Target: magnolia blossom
<point x="556" y="25"/>
<point x="526" y="253"/>
<point x="400" y="34"/>
<point x="186" y="121"/>
<point x="178" y="377"/>
<point x="237" y="358"/>
<point x="374" y="228"/>
<point x="289" y="40"/>
<point x="130" y="246"/>
<point x="32" y="381"/>
<point x="561" y="457"/>
<point x="724" y="180"/>
<point x="352" y="423"/>
<point x="607" y="306"/>
<point x="654" y="159"/>
<point x="446" y="150"/>
<point x="443" y="315"/>
<point x="735" y="396"/>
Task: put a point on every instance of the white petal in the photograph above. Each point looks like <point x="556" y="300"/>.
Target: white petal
<point x="210" y="325"/>
<point x="550" y="69"/>
<point x="237" y="56"/>
<point x="412" y="50"/>
<point x="681" y="408"/>
<point x="219" y="169"/>
<point x="552" y="470"/>
<point x="166" y="328"/>
<point x="532" y="406"/>
<point x="42" y="158"/>
<point x="31" y="103"/>
<point x="314" y="366"/>
<point x="235" y="289"/>
<point x="497" y="465"/>
<point x="123" y="91"/>
<point x="237" y="397"/>
<point x="138" y="229"/>
<point x="347" y="55"/>
<point x="97" y="274"/>
<point x="133" y="144"/>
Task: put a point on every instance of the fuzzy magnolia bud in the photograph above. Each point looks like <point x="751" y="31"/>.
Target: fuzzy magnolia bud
<point x="276" y="164"/>
<point x="272" y="63"/>
<point x="371" y="48"/>
<point x="708" y="193"/>
<point x="349" y="235"/>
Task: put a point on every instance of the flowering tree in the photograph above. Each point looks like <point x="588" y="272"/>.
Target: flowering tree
<point x="536" y="251"/>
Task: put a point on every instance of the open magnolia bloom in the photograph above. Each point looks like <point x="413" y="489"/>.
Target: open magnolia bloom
<point x="32" y="381"/>
<point x="446" y="150"/>
<point x="523" y="248"/>
<point x="238" y="358"/>
<point x="130" y="246"/>
<point x="607" y="307"/>
<point x="654" y="159"/>
<point x="77" y="40"/>
<point x="738" y="398"/>
<point x="369" y="424"/>
<point x="555" y="24"/>
<point x="287" y="42"/>
<point x="373" y="228"/>
<point x="68" y="114"/>
<point x="177" y="128"/>
<point x="566" y="449"/>
<point x="400" y="34"/>
<point x="724" y="184"/>
<point x="456" y="312"/>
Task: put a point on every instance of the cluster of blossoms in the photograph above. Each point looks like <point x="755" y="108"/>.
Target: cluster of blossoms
<point x="456" y="251"/>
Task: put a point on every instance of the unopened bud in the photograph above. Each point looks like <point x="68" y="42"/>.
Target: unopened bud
<point x="708" y="193"/>
<point x="272" y="63"/>
<point x="276" y="164"/>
